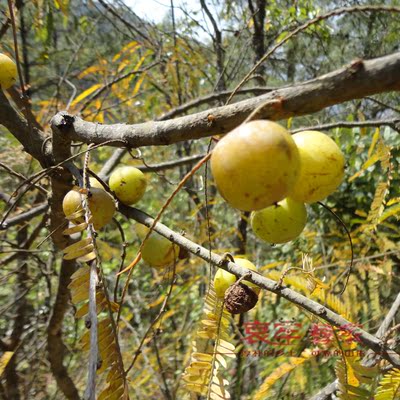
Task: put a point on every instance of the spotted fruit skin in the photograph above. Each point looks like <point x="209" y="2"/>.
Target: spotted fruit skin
<point x="279" y="223"/>
<point x="255" y="165"/>
<point x="321" y="167"/>
<point x="8" y="72"/>
<point x="129" y="184"/>
<point x="159" y="252"/>
<point x="101" y="206"/>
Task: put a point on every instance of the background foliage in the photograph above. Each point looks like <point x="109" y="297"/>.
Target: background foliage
<point x="100" y="60"/>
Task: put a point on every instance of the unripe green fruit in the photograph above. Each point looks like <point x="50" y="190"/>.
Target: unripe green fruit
<point x="224" y="279"/>
<point x="128" y="184"/>
<point x="255" y="165"/>
<point x="101" y="206"/>
<point x="158" y="251"/>
<point x="321" y="167"/>
<point x="8" y="72"/>
<point x="280" y="223"/>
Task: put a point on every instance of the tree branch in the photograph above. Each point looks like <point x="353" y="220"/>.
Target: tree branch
<point x="26" y="216"/>
<point x="298" y="299"/>
<point x="55" y="344"/>
<point x="33" y="140"/>
<point x="357" y="80"/>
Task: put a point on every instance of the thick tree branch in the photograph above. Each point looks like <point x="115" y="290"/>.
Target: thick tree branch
<point x="33" y="140"/>
<point x="298" y="299"/>
<point x="55" y="344"/>
<point x="61" y="181"/>
<point x="26" y="216"/>
<point x="357" y="80"/>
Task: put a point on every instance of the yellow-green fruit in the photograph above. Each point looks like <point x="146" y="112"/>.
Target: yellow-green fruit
<point x="243" y="262"/>
<point x="255" y="165"/>
<point x="159" y="252"/>
<point x="280" y="223"/>
<point x="101" y="206"/>
<point x="321" y="169"/>
<point x="8" y="72"/>
<point x="224" y="279"/>
<point x="128" y="184"/>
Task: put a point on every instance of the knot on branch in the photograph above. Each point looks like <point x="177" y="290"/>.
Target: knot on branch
<point x="62" y="121"/>
<point x="356" y="65"/>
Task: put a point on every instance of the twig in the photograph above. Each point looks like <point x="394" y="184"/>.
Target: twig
<point x="33" y="212"/>
<point x="394" y="123"/>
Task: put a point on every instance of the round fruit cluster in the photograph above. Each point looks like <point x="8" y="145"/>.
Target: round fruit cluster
<point x="129" y="185"/>
<point x="8" y="72"/>
<point x="260" y="167"/>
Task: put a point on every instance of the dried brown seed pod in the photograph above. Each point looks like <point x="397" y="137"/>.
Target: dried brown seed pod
<point x="239" y="298"/>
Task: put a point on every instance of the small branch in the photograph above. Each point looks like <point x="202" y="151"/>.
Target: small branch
<point x="23" y="217"/>
<point x="219" y="96"/>
<point x="393" y="123"/>
<point x="315" y="308"/>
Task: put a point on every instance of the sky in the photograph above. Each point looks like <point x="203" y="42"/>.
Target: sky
<point x="155" y="10"/>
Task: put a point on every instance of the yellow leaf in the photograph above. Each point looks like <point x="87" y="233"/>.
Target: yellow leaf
<point x="78" y="245"/>
<point x="375" y="139"/>
<point x="79" y="253"/>
<point x="4" y="360"/>
<point x="90" y="70"/>
<point x="75" y="229"/>
<point x="86" y="93"/>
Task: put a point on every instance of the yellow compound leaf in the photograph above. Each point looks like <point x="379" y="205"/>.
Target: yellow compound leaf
<point x="87" y="257"/>
<point x="75" y="229"/>
<point x="79" y="253"/>
<point x="78" y="245"/>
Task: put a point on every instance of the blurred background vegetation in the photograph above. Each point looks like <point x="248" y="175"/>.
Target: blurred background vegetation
<point x="103" y="61"/>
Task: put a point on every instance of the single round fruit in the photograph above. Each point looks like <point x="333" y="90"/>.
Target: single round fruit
<point x="321" y="167"/>
<point x="101" y="206"/>
<point x="8" y="72"/>
<point x="159" y="252"/>
<point x="128" y="184"/>
<point x="255" y="165"/>
<point x="224" y="279"/>
<point x="280" y="223"/>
